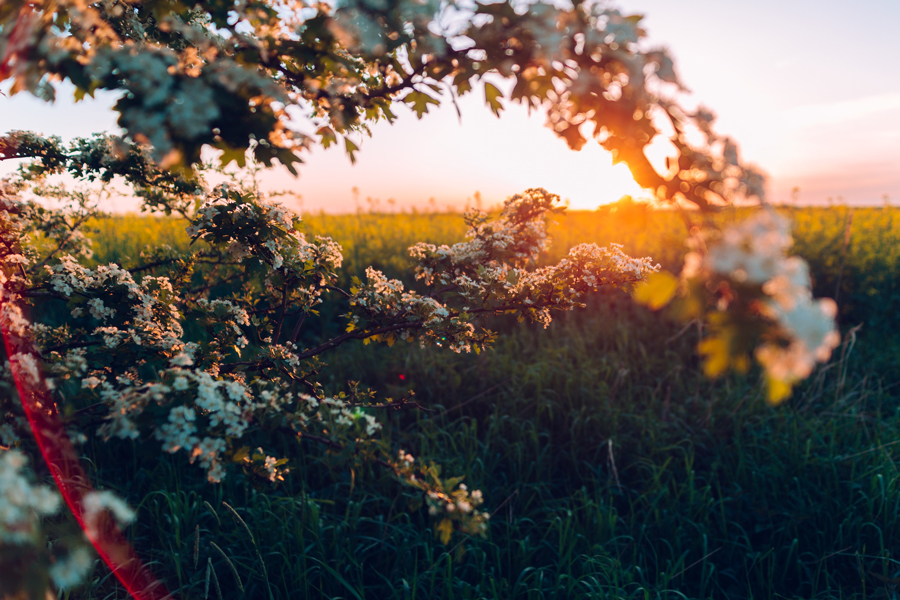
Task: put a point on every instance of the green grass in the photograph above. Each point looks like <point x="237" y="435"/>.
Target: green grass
<point x="612" y="467"/>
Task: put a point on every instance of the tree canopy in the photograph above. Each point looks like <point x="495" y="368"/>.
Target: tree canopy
<point x="231" y="75"/>
<point x="201" y="351"/>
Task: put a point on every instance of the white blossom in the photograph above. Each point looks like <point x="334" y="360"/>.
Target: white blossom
<point x="70" y="571"/>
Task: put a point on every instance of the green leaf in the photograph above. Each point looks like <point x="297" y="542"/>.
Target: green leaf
<point x="657" y="290"/>
<point x="419" y="102"/>
<point x="445" y="530"/>
<point x="229" y="154"/>
<point x="492" y="96"/>
<point x="716" y="355"/>
<point x="351" y="149"/>
<point x="777" y="390"/>
<point x="241" y="454"/>
<point x="327" y="137"/>
<point x="451" y="483"/>
<point x="462" y="83"/>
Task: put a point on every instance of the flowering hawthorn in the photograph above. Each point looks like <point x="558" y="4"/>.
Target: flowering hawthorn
<point x="227" y="75"/>
<point x="225" y="392"/>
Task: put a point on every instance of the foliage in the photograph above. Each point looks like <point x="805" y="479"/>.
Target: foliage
<point x="200" y="349"/>
<point x="868" y="293"/>
<point x="225" y="75"/>
<point x="790" y="500"/>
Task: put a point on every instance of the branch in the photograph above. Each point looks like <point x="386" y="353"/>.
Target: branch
<point x="62" y="243"/>
<point x="12" y="251"/>
<point x="297" y="327"/>
<point x="333" y="288"/>
<point x="229" y="367"/>
<point x="33" y="293"/>
<point x="152" y="265"/>
<point x="394" y="405"/>
<point x="284" y="297"/>
<point x="437" y="293"/>
<point x="357" y="335"/>
<point x="331" y="444"/>
<point x="214" y="283"/>
<point x="364" y="334"/>
<point x="71" y="345"/>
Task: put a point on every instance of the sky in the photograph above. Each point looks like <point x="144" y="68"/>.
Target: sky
<point x="810" y="90"/>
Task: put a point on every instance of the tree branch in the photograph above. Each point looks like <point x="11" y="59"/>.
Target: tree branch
<point x="330" y="444"/>
<point x="284" y="297"/>
<point x="357" y="335"/>
<point x="400" y="404"/>
<point x="297" y="327"/>
<point x="215" y="283"/>
<point x="334" y="288"/>
<point x="33" y="293"/>
<point x="61" y="244"/>
<point x="70" y="346"/>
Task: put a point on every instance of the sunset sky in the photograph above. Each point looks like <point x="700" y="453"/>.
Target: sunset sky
<point x="809" y="89"/>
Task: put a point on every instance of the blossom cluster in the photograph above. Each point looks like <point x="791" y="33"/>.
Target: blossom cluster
<point x="25" y="505"/>
<point x="249" y="225"/>
<point x="146" y="314"/>
<point x="449" y="501"/>
<point x="754" y="254"/>
<point x="24" y="502"/>
<point x="492" y="272"/>
<point x="208" y="417"/>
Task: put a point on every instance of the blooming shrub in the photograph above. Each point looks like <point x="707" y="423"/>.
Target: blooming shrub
<point x="201" y="351"/>
<point x="754" y="299"/>
<point x="28" y="561"/>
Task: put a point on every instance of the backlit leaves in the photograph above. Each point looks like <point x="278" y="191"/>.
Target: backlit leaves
<point x="492" y="96"/>
<point x="419" y="102"/>
<point x="228" y="77"/>
<point x="657" y="290"/>
<point x="351" y="149"/>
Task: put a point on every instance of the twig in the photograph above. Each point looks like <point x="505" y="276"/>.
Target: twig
<point x="284" y="297"/>
<point x="824" y="558"/>
<point x="334" y="288"/>
<point x="697" y="562"/>
<point x="33" y="293"/>
<point x="475" y="397"/>
<point x="331" y="444"/>
<point x="214" y="283"/>
<point x="612" y="462"/>
<point x="229" y="367"/>
<point x="357" y="335"/>
<point x="881" y="447"/>
<point x="394" y="405"/>
<point x="682" y="332"/>
<point x="297" y="327"/>
<point x="88" y="409"/>
<point x="61" y="244"/>
<point x="71" y="345"/>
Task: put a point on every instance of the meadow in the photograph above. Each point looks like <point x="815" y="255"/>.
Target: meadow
<point x="612" y="467"/>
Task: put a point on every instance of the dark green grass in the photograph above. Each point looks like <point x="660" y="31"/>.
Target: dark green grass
<point x="613" y="469"/>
